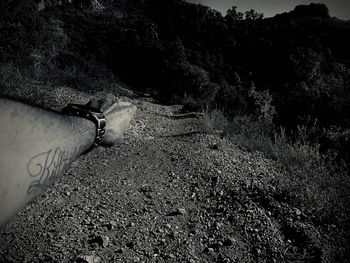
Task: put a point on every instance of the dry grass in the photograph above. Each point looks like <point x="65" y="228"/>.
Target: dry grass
<point x="11" y="75"/>
<point x="213" y="121"/>
<point x="311" y="181"/>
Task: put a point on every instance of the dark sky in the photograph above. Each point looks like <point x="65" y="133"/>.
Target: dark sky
<point x="338" y="8"/>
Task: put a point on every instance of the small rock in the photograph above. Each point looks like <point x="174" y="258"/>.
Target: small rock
<point x="218" y="225"/>
<point x="102" y="241"/>
<point x="228" y="242"/>
<point x="193" y="232"/>
<point x="179" y="211"/>
<point x="88" y="259"/>
<point x="215" y="245"/>
<point x="215" y="179"/>
<point x="113" y="223"/>
<point x="182" y="211"/>
<point x="173" y="234"/>
<point x="130" y="244"/>
<point x="214" y="147"/>
<point x="297" y="212"/>
<point x="119" y="251"/>
<point x="168" y="256"/>
<point x="208" y="249"/>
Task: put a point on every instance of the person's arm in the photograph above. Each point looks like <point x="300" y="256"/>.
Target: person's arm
<point x="38" y="146"/>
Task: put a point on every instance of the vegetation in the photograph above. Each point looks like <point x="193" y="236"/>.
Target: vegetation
<point x="289" y="71"/>
<point x="310" y="180"/>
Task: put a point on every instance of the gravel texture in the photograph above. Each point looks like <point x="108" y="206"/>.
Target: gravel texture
<point x="171" y="192"/>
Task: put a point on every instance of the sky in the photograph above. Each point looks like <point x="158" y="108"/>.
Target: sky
<point x="338" y="8"/>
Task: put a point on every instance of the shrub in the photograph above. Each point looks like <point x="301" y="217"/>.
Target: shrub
<point x="263" y="104"/>
<point x="20" y="28"/>
<point x="309" y="180"/>
<point x="10" y="75"/>
<point x="251" y="134"/>
<point x="214" y="121"/>
<point x="202" y="100"/>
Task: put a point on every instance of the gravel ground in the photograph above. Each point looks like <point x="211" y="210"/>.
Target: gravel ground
<point x="171" y="192"/>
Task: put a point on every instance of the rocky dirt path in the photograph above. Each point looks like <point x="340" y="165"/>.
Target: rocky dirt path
<point x="170" y="193"/>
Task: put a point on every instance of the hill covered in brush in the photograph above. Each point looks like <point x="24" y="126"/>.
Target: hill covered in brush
<point x="278" y="86"/>
<point x="292" y="68"/>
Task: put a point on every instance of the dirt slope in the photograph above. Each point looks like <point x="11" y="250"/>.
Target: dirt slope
<point x="169" y="193"/>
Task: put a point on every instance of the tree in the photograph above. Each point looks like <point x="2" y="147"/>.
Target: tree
<point x="233" y="16"/>
<point x="252" y="15"/>
<point x="312" y="10"/>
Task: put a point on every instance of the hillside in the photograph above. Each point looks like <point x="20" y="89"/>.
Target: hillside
<point x="172" y="192"/>
<point x="261" y="174"/>
<point x="188" y="54"/>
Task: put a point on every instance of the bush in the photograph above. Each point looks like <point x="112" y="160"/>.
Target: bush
<point x="20" y="28"/>
<point x="214" y="121"/>
<point x="263" y="104"/>
<point x="309" y="180"/>
<point x="251" y="134"/>
<point x="10" y="75"/>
